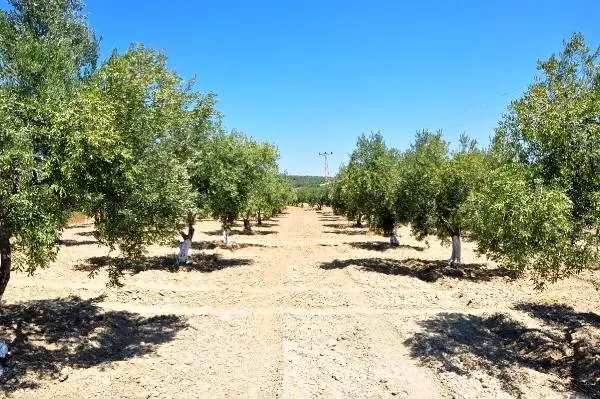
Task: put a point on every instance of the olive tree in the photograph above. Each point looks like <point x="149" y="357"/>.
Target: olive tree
<point x="114" y="141"/>
<point x="226" y="173"/>
<point x="524" y="225"/>
<point x="539" y="209"/>
<point x="269" y="196"/>
<point x="46" y="51"/>
<point x="316" y="196"/>
<point x="434" y="187"/>
<point x="554" y="128"/>
<point x="135" y="188"/>
<point x="365" y="187"/>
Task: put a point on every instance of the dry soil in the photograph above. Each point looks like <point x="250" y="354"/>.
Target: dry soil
<point x="307" y="307"/>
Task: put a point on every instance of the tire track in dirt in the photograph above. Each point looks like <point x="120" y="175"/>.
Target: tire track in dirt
<point x="392" y="363"/>
<point x="350" y="351"/>
<point x="255" y="359"/>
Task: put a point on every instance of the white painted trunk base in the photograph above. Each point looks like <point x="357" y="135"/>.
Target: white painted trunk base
<point x="184" y="249"/>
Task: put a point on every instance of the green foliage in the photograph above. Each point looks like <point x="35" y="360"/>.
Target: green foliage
<point x="36" y="195"/>
<point x="524" y="226"/>
<point x="270" y="194"/>
<point x="555" y="127"/>
<point x="553" y="132"/>
<point x="338" y="193"/>
<point x="366" y="187"/>
<point x="297" y="181"/>
<point x="421" y="183"/>
<point x="313" y="196"/>
<point x="435" y="184"/>
<point x="124" y="125"/>
<point x="233" y="176"/>
<point x="309" y="190"/>
<point x="46" y="48"/>
<point x="33" y="205"/>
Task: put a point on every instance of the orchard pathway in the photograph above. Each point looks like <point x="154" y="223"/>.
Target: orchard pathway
<point x="307" y="307"/>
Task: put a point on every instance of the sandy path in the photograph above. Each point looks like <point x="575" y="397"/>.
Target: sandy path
<point x="351" y="351"/>
<point x="307" y="307"/>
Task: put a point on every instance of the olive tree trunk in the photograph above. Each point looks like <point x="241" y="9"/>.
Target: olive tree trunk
<point x="259" y="219"/>
<point x="191" y="219"/>
<point x="5" y="262"/>
<point x="185" y="246"/>
<point x="394" y="242"/>
<point x="225" y="236"/>
<point x="247" y="226"/>
<point x="359" y="220"/>
<point x="454" y="260"/>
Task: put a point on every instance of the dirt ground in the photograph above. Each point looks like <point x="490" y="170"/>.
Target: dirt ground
<point x="307" y="307"/>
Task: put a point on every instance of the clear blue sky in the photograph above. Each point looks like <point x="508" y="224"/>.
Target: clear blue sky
<point x="311" y="76"/>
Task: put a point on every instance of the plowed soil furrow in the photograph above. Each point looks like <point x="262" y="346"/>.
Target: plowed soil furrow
<point x="307" y="307"/>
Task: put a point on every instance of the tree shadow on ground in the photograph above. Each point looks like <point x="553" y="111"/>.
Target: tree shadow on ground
<point x="561" y="316"/>
<point x="381" y="246"/>
<point x="204" y="263"/>
<point x="342" y="226"/>
<point x="266" y="225"/>
<point x="86" y="234"/>
<point x="240" y="245"/>
<point x="498" y="346"/>
<point x="423" y="269"/>
<point x="73" y="243"/>
<point x="581" y="334"/>
<point x="330" y="219"/>
<point x="45" y="336"/>
<point x="79" y="225"/>
<point x="241" y="232"/>
<point x="336" y="225"/>
<point x="209" y="245"/>
<point x="348" y="232"/>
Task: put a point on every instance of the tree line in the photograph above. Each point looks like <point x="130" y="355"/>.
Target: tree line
<point x="531" y="200"/>
<point x="127" y="142"/>
<point x="139" y="150"/>
<point x="298" y="181"/>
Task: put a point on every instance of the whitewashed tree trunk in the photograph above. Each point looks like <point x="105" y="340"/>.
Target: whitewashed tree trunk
<point x="184" y="249"/>
<point x="394" y="242"/>
<point x="225" y="237"/>
<point x="454" y="260"/>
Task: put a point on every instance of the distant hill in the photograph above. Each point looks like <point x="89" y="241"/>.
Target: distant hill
<point x="305" y="181"/>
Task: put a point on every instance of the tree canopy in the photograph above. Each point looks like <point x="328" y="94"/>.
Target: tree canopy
<point x="36" y="193"/>
<point x="142" y="152"/>
<point x="129" y="143"/>
<point x="530" y="201"/>
<point x="367" y="184"/>
<point x="547" y="186"/>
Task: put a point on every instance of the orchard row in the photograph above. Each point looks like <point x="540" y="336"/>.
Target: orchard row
<point x="129" y="143"/>
<point x="530" y="201"/>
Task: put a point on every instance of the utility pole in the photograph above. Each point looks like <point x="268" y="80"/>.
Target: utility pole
<point x="326" y="155"/>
